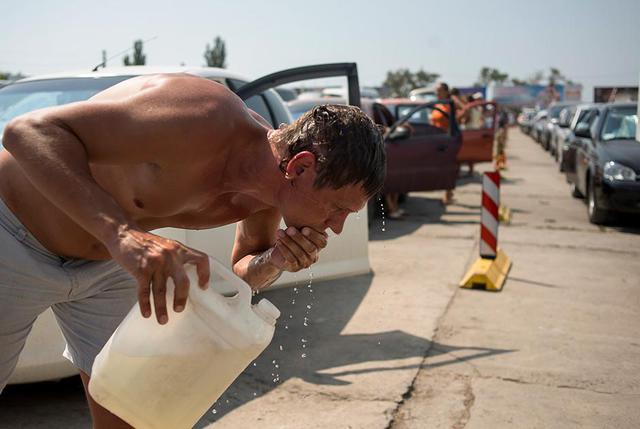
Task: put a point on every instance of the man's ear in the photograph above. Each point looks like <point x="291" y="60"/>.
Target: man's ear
<point x="300" y="163"/>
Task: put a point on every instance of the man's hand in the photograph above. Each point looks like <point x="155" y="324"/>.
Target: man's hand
<point x="297" y="249"/>
<point x="152" y="259"/>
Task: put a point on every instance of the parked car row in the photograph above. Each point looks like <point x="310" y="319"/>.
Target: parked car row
<point x="596" y="147"/>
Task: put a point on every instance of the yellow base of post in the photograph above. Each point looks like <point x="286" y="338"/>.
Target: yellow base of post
<point x="488" y="274"/>
<point x="504" y="214"/>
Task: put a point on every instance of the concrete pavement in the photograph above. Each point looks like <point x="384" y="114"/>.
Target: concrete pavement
<point x="569" y="314"/>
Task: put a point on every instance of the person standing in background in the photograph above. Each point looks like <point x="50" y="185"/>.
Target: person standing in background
<point x="440" y="119"/>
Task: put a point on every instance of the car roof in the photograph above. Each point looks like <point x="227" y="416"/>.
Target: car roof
<point x="396" y="101"/>
<point x="138" y="71"/>
<point x="620" y="104"/>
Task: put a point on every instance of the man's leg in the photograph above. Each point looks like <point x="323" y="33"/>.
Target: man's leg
<point x="103" y="296"/>
<point x="30" y="282"/>
<point x="102" y="418"/>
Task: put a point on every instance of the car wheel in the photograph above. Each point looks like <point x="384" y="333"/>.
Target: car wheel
<point x="560" y="159"/>
<point x="575" y="192"/>
<point x="597" y="215"/>
<point x="372" y="210"/>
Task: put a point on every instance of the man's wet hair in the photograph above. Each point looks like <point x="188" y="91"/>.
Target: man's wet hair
<point x="348" y="146"/>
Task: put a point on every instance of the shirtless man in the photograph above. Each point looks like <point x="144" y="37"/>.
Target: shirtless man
<point x="82" y="184"/>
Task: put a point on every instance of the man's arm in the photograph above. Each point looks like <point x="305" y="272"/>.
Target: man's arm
<point x="261" y="251"/>
<point x="130" y="123"/>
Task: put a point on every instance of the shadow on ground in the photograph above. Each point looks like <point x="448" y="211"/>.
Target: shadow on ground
<point x="423" y="210"/>
<point x="333" y="304"/>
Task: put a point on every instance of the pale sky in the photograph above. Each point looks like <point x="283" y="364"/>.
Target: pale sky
<point x="592" y="42"/>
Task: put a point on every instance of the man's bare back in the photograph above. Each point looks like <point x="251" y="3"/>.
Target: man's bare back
<point x="195" y="184"/>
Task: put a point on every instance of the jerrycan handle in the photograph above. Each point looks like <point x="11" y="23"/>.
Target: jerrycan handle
<point x="243" y="290"/>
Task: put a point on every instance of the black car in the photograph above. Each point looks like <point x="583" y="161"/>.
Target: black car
<point x="546" y="132"/>
<point x="567" y="146"/>
<point x="608" y="161"/>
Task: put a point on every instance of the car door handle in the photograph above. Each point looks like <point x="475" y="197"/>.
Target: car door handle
<point x="441" y="148"/>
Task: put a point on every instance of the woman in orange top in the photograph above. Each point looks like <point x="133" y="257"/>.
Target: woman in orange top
<point x="440" y="120"/>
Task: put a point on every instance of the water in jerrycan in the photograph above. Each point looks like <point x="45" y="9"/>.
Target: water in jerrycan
<point x="167" y="376"/>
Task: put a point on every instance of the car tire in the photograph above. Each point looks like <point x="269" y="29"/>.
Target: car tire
<point x="372" y="209"/>
<point x="575" y="192"/>
<point x="560" y="159"/>
<point x="596" y="214"/>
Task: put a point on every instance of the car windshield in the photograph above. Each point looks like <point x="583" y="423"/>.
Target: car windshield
<point x="20" y="98"/>
<point x="620" y="124"/>
<point x="554" y="111"/>
<point x="420" y="117"/>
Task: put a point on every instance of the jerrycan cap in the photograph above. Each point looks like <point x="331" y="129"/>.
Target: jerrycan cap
<point x="267" y="311"/>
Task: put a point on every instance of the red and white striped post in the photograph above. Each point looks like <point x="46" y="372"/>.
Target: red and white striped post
<point x="490" y="215"/>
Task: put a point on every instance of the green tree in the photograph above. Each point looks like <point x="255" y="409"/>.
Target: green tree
<point x="400" y="82"/>
<point x="535" y="78"/>
<point x="215" y="56"/>
<point x="488" y="75"/>
<point x="139" y="59"/>
<point x="556" y="76"/>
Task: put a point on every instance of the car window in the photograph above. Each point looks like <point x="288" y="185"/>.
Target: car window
<point x="620" y="124"/>
<point x="256" y="103"/>
<point x="420" y="117"/>
<point x="20" y="98"/>
<point x="278" y="108"/>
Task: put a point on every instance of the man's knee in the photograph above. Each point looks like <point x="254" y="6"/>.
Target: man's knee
<point x="102" y="418"/>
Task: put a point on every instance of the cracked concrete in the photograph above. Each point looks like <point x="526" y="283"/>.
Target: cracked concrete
<point x="567" y="321"/>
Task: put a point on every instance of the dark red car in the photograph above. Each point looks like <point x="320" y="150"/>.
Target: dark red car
<point x="420" y="156"/>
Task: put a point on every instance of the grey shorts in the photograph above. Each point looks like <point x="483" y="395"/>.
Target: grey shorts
<point x="89" y="298"/>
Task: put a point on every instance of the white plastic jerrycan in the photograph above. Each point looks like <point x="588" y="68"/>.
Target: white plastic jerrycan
<point x="167" y="376"/>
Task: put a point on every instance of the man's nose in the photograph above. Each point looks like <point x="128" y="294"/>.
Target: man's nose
<point x="336" y="224"/>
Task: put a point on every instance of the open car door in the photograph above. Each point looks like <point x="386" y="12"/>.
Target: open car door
<point x="349" y="70"/>
<point x="478" y="131"/>
<point x="421" y="156"/>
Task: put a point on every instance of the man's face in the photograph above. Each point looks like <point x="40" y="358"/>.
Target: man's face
<point x="321" y="208"/>
<point x="441" y="93"/>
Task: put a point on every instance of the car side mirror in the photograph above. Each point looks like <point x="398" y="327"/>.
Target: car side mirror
<point x="583" y="130"/>
<point x="400" y="133"/>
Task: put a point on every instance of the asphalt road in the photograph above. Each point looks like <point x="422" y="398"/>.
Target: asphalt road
<point x="406" y="348"/>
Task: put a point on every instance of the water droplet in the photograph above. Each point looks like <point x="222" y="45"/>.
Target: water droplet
<point x="295" y="289"/>
<point x="303" y="340"/>
<point x="384" y="229"/>
<point x="281" y="348"/>
<point x="214" y="411"/>
<point x="309" y="306"/>
<point x="286" y="326"/>
<point x="303" y="355"/>
<point x="277" y="366"/>
<point x="255" y="364"/>
<point x="305" y="323"/>
<point x="291" y="316"/>
<point x="227" y="401"/>
<point x="293" y="301"/>
<point x="378" y="342"/>
<point x="273" y="361"/>
<point x="304" y="346"/>
<point x="255" y="394"/>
